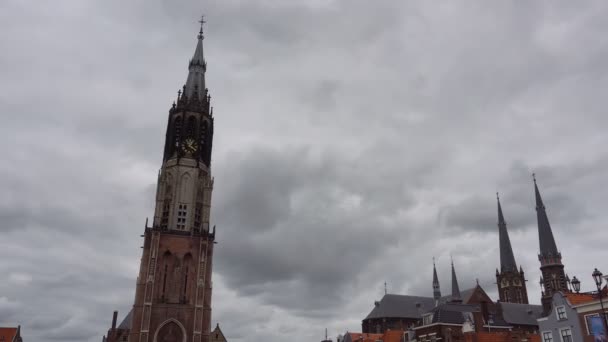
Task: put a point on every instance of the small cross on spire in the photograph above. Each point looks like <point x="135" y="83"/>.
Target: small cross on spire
<point x="202" y="21"/>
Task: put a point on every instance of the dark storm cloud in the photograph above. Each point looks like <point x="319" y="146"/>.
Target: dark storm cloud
<point x="354" y="141"/>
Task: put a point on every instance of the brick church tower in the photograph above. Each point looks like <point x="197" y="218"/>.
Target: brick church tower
<point x="511" y="282"/>
<point x="173" y="291"/>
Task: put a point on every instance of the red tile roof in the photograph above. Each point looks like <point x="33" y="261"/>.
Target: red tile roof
<point x="579" y="298"/>
<point x="8" y="334"/>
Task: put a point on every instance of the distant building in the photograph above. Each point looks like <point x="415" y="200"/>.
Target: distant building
<point x="217" y="335"/>
<point x="119" y="333"/>
<point x="11" y="334"/>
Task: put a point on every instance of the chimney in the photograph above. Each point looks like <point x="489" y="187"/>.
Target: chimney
<point x="114" y="317"/>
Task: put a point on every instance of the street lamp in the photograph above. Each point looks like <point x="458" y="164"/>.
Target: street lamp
<point x="576" y="284"/>
<point x="597" y="277"/>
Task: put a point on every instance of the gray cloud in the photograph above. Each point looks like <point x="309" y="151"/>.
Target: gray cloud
<point x="354" y="142"/>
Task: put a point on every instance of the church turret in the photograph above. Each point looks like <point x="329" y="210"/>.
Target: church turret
<point x="455" y="288"/>
<point x="551" y="267"/>
<point x="436" y="288"/>
<point x="511" y="283"/>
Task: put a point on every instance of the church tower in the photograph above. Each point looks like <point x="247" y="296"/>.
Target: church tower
<point x="511" y="282"/>
<point x="553" y="278"/>
<point x="173" y="291"/>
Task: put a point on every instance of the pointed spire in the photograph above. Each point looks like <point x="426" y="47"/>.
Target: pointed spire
<point x="436" y="288"/>
<point x="455" y="289"/>
<point x="197" y="68"/>
<point x="507" y="260"/>
<point x="548" y="248"/>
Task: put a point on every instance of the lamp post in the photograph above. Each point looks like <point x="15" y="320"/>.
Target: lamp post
<point x="597" y="277"/>
<point x="576" y="284"/>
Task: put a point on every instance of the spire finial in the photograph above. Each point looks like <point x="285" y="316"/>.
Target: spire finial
<point x="497" y="196"/>
<point x="385" y="288"/>
<point x="200" y="32"/>
<point x="534" y="177"/>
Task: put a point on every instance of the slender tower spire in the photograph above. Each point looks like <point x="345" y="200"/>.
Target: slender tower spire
<point x="551" y="267"/>
<point x="197" y="68"/>
<point x="507" y="260"/>
<point x="511" y="283"/>
<point x="455" y="289"/>
<point x="548" y="248"/>
<point x="436" y="289"/>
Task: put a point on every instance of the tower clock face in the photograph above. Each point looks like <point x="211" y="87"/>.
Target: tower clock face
<point x="189" y="146"/>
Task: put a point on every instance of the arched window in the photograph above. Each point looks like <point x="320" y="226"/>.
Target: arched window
<point x="167" y="263"/>
<point x="203" y="134"/>
<point x="187" y="267"/>
<point x="178" y="130"/>
<point x="506" y="295"/>
<point x="191" y="127"/>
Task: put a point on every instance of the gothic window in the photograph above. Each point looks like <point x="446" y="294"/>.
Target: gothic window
<point x="519" y="297"/>
<point x="197" y="215"/>
<point x="170" y="332"/>
<point x="182" y="214"/>
<point x="167" y="262"/>
<point x="191" y="127"/>
<point x="203" y="133"/>
<point x="554" y="284"/>
<point x="178" y="130"/>
<point x="188" y="265"/>
<point x="164" y="220"/>
<point x="506" y="295"/>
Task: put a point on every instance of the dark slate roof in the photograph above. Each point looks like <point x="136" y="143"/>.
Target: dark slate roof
<point x="403" y="306"/>
<point x="126" y="322"/>
<point x="521" y="314"/>
<point x="507" y="260"/>
<point x="453" y="313"/>
<point x="545" y="234"/>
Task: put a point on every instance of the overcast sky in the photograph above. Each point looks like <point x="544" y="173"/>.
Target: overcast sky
<point x="354" y="141"/>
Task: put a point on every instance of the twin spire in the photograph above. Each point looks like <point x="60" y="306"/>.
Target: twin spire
<point x="507" y="259"/>
<point x="548" y="248"/>
<point x="455" y="288"/>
